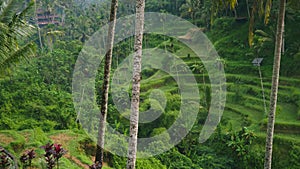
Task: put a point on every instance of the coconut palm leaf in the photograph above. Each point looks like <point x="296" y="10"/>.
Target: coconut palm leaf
<point x="6" y="11"/>
<point x="268" y="11"/>
<point x="13" y="30"/>
<point x="22" y="54"/>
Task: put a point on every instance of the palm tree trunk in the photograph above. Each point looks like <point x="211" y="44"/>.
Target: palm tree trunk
<point x="235" y="13"/>
<point x="105" y="87"/>
<point x="274" y="90"/>
<point x="262" y="89"/>
<point x="248" y="11"/>
<point x="283" y="42"/>
<point x="135" y="100"/>
<point x="37" y="25"/>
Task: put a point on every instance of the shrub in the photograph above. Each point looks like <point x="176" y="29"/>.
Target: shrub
<point x="53" y="152"/>
<point x="17" y="146"/>
<point x="117" y="162"/>
<point x="27" y="157"/>
<point x="48" y="125"/>
<point x="150" y="163"/>
<point x="88" y="145"/>
<point x="224" y="23"/>
<point x="6" y="123"/>
<point x="295" y="156"/>
<point x="173" y="159"/>
<point x="28" y="124"/>
<point x="40" y="136"/>
<point x="5" y="161"/>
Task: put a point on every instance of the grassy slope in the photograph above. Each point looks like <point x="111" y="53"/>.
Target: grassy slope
<point x="18" y="142"/>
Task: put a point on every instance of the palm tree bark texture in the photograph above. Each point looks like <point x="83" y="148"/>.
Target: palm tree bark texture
<point x="275" y="81"/>
<point x="135" y="100"/>
<point x="106" y="79"/>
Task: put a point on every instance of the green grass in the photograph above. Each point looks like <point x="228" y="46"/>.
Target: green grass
<point x="242" y="78"/>
<point x="292" y="138"/>
<point x="288" y="113"/>
<point x="233" y="119"/>
<point x="66" y="163"/>
<point x="33" y="139"/>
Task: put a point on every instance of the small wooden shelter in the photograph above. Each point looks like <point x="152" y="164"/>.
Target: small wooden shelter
<point x="257" y="61"/>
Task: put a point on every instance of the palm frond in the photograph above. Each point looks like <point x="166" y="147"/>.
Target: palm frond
<point x="260" y="8"/>
<point x="233" y="3"/>
<point x="22" y="14"/>
<point x="14" y="29"/>
<point x="7" y="10"/>
<point x="18" y="24"/>
<point x="4" y="47"/>
<point x="262" y="33"/>
<point x="251" y="27"/>
<point x="55" y="33"/>
<point x="268" y="11"/>
<point x="23" y="54"/>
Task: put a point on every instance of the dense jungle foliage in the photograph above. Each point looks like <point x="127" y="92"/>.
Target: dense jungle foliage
<point x="36" y="104"/>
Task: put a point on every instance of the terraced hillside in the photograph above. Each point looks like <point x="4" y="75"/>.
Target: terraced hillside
<point x="244" y="103"/>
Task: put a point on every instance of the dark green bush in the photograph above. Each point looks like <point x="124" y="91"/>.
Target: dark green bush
<point x="28" y="124"/>
<point x="88" y="145"/>
<point x="17" y="146"/>
<point x="146" y="73"/>
<point x="224" y="23"/>
<point x="175" y="160"/>
<point x="48" y="125"/>
<point x="150" y="163"/>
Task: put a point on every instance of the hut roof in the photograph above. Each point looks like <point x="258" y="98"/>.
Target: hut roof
<point x="257" y="61"/>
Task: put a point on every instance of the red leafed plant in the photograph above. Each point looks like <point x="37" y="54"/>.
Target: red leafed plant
<point x="53" y="152"/>
<point x="96" y="165"/>
<point x="27" y="157"/>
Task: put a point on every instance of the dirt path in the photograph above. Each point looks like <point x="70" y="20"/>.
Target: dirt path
<point x="76" y="161"/>
<point x="5" y="139"/>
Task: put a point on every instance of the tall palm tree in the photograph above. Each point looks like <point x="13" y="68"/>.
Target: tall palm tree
<point x="260" y="7"/>
<point x="51" y="36"/>
<point x="218" y="5"/>
<point x="105" y="86"/>
<point x="275" y="81"/>
<point x="37" y="25"/>
<point x="135" y="100"/>
<point x="13" y="29"/>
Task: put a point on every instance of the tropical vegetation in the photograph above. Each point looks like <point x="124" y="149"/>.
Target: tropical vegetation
<point x="42" y="39"/>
